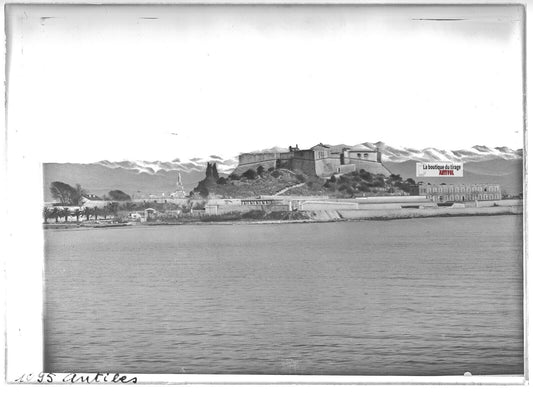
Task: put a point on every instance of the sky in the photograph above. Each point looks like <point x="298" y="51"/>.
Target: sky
<point x="90" y="83"/>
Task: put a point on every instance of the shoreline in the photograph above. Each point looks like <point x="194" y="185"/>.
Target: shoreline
<point x="322" y="216"/>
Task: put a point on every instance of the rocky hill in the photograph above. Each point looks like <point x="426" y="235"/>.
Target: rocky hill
<point x="287" y="182"/>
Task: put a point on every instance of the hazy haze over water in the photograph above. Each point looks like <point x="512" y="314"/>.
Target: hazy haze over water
<point x="430" y="296"/>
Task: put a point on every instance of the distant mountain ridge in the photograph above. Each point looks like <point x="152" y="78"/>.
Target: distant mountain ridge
<point x="153" y="167"/>
<point x="476" y="153"/>
<point x="389" y="154"/>
<point x="155" y="177"/>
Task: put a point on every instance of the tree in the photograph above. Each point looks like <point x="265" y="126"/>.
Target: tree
<point x="55" y="214"/>
<point x="63" y="192"/>
<point x="46" y="214"/>
<point x="208" y="170"/>
<point x="128" y="206"/>
<point x="222" y="180"/>
<point x="65" y="213"/>
<point x="112" y="208"/>
<point x="86" y="212"/>
<point x="214" y="171"/>
<point x="395" y="178"/>
<point x="260" y="170"/>
<point x="77" y="195"/>
<point x="118" y="195"/>
<point x="211" y="171"/>
<point x="95" y="212"/>
<point x="406" y="187"/>
<point x="77" y="213"/>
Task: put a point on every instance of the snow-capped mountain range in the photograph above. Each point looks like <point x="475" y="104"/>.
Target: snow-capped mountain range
<point x="476" y="153"/>
<point x="153" y="167"/>
<point x="389" y="154"/>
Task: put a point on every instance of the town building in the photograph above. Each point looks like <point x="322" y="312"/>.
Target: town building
<point x="180" y="191"/>
<point x="313" y="203"/>
<point x="224" y="206"/>
<point x="320" y="160"/>
<point x="92" y="201"/>
<point x="459" y="192"/>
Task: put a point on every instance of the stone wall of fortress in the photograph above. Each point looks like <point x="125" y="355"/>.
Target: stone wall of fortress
<point x="254" y="160"/>
<point x="372" y="167"/>
<point x="251" y="158"/>
<point x="308" y="162"/>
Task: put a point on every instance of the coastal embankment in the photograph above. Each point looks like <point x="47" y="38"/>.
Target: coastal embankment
<point x="393" y="214"/>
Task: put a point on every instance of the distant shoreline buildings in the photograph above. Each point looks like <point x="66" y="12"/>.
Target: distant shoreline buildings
<point x="459" y="192"/>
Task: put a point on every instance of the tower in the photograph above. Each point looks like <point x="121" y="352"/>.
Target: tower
<point x="180" y="191"/>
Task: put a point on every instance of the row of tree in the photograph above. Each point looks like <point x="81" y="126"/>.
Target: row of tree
<point x="58" y="213"/>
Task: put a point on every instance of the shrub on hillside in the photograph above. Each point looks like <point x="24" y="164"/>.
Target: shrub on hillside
<point x="378" y="182"/>
<point x="222" y="181"/>
<point x="363" y="187"/>
<point x="365" y="175"/>
<point x="250" y="174"/>
<point x="350" y="190"/>
<point x="344" y="179"/>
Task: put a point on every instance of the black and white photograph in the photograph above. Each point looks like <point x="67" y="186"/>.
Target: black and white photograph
<point x="265" y="193"/>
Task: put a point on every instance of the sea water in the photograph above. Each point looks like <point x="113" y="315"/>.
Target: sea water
<point x="433" y="296"/>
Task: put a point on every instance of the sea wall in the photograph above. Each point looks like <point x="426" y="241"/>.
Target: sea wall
<point x="503" y="202"/>
<point x="231" y="208"/>
<point x="322" y="215"/>
<point x="327" y="206"/>
<point x="368" y="203"/>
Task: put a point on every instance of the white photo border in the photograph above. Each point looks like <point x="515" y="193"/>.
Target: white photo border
<point x="23" y="242"/>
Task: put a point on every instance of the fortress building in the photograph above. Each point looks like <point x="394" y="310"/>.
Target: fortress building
<point x="320" y="160"/>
